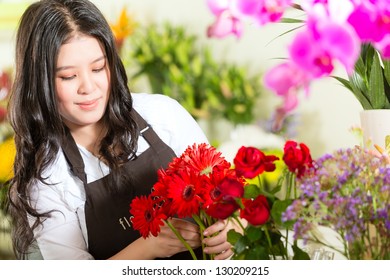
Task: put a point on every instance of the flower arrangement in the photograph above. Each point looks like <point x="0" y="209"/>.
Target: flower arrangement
<point x="349" y="192"/>
<point x="198" y="184"/>
<point x="353" y="33"/>
<point x="266" y="236"/>
<point x="201" y="184"/>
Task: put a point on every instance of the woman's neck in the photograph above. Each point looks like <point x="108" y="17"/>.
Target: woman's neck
<point x="89" y="137"/>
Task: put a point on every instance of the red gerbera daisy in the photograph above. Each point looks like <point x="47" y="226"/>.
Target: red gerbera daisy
<point x="203" y="158"/>
<point x="183" y="190"/>
<point x="147" y="218"/>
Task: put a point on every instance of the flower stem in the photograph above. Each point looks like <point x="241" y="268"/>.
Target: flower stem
<point x="181" y="239"/>
<point x="202" y="227"/>
<point x="269" y="241"/>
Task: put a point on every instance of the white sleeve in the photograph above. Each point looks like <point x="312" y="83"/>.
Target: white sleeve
<point x="60" y="237"/>
<point x="173" y="124"/>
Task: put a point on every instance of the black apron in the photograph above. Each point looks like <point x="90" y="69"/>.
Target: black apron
<point x="106" y="211"/>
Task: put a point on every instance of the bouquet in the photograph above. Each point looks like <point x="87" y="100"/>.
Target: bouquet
<point x="201" y="184"/>
<point x="347" y="191"/>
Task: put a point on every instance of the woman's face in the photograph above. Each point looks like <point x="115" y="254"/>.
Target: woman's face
<point x="82" y="82"/>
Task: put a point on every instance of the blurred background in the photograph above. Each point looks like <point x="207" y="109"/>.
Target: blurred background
<point x="165" y="49"/>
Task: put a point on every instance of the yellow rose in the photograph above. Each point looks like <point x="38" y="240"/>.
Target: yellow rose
<point x="7" y="157"/>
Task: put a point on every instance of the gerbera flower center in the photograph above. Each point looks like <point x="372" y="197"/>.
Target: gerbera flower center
<point x="188" y="192"/>
<point x="148" y="216"/>
<point x="215" y="193"/>
<point x="206" y="171"/>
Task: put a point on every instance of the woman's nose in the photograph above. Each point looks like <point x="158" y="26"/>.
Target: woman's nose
<point x="87" y="84"/>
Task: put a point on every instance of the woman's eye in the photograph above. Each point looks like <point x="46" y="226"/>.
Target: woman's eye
<point x="68" y="78"/>
<point x="98" y="69"/>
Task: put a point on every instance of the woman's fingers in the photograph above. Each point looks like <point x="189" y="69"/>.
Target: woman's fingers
<point x="216" y="227"/>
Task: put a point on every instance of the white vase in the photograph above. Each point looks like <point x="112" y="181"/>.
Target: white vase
<point x="375" y="126"/>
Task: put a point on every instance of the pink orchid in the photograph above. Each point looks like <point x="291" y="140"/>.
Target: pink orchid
<point x="263" y="11"/>
<point x="286" y="80"/>
<point x="333" y="34"/>
<point x="227" y="21"/>
<point x="325" y="42"/>
<point x="224" y="25"/>
<point x="371" y="19"/>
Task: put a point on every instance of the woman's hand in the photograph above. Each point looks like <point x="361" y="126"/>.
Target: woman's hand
<point x="218" y="244"/>
<point x="167" y="244"/>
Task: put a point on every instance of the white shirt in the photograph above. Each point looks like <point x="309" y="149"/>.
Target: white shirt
<point x="64" y="234"/>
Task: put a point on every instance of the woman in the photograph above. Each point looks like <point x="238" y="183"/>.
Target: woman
<point x="86" y="146"/>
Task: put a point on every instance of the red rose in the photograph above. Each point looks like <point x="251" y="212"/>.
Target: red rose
<point x="256" y="211"/>
<point x="251" y="162"/>
<point x="220" y="199"/>
<point x="297" y="157"/>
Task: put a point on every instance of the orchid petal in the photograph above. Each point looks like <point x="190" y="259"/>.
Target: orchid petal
<point x="218" y="6"/>
<point x="341" y="42"/>
<point x="225" y="25"/>
<point x="384" y="47"/>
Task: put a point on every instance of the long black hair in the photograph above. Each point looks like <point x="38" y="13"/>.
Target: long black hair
<point x="33" y="113"/>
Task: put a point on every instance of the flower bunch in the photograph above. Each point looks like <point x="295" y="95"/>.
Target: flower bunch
<point x="201" y="184"/>
<point x="198" y="184"/>
<point x="266" y="235"/>
<point x="349" y="192"/>
<point x="353" y="33"/>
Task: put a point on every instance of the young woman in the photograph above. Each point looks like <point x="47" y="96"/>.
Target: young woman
<point x="86" y="146"/>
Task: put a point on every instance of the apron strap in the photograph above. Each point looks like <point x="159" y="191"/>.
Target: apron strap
<point x="146" y="131"/>
<point x="73" y="156"/>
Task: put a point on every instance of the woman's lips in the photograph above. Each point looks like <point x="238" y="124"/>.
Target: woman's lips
<point x="89" y="105"/>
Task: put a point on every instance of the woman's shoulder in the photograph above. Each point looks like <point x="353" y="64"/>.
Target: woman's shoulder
<point x="160" y="110"/>
<point x="152" y="101"/>
<point x="171" y="121"/>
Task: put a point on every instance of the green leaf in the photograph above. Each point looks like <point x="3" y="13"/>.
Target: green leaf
<point x="251" y="191"/>
<point x="233" y="236"/>
<point x="299" y="254"/>
<point x="291" y="20"/>
<point x="241" y="245"/>
<point x="376" y="87"/>
<point x="360" y="90"/>
<point x="386" y="69"/>
<point x="257" y="253"/>
<point x="387" y="143"/>
<point x="254" y="233"/>
<point x="278" y="208"/>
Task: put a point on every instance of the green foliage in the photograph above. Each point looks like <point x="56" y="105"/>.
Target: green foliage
<point x="370" y="80"/>
<point x="175" y="64"/>
<point x="270" y="240"/>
